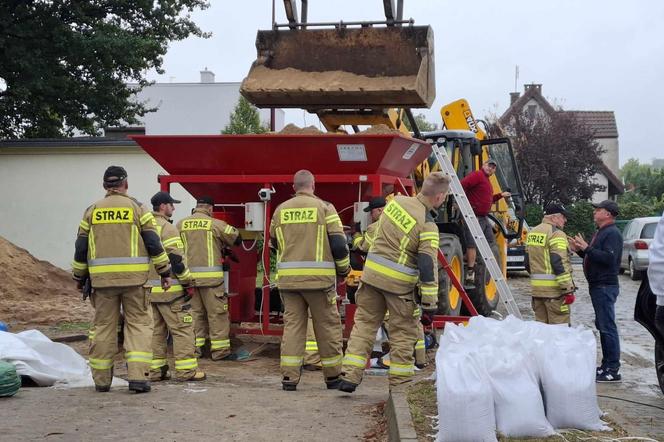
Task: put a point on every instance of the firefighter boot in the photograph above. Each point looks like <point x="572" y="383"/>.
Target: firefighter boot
<point x="333" y="383"/>
<point x="198" y="376"/>
<point x="139" y="386"/>
<point x="161" y="375"/>
<point x="347" y="386"/>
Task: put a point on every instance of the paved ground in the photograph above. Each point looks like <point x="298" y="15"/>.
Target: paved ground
<point x="637" y="358"/>
<point x="243" y="401"/>
<point x="240" y="401"/>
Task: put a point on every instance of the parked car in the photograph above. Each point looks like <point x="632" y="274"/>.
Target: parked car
<point x="637" y="236"/>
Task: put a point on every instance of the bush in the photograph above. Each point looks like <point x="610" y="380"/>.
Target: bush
<point x="580" y="220"/>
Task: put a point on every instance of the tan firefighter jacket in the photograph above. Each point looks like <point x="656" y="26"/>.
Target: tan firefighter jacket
<point x="310" y="242"/>
<point x="548" y="261"/>
<point x="116" y="239"/>
<point x="204" y="238"/>
<point x="404" y="250"/>
<point x="170" y="238"/>
<point x="362" y="241"/>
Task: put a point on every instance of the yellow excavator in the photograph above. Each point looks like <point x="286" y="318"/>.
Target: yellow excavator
<point x="368" y="73"/>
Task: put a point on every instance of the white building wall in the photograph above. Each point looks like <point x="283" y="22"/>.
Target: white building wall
<point x="601" y="195"/>
<point x="610" y="157"/>
<point x="194" y="108"/>
<point x="45" y="192"/>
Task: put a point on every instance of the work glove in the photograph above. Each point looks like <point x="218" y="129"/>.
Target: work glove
<point x="426" y="319"/>
<point x="569" y="298"/>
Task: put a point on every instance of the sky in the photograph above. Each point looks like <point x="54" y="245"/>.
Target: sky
<point x="605" y="55"/>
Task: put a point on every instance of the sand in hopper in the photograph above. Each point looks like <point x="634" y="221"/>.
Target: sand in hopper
<point x="292" y="129"/>
<point x="380" y="129"/>
<point x="262" y="78"/>
<point x="35" y="292"/>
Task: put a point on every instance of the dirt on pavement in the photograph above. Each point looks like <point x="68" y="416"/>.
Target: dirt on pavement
<point x="238" y="401"/>
<point x="35" y="292"/>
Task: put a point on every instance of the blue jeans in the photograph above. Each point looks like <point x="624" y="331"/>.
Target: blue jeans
<point x="604" y="301"/>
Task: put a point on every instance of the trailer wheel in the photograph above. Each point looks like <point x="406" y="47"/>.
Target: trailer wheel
<point x="485" y="293"/>
<point x="449" y="299"/>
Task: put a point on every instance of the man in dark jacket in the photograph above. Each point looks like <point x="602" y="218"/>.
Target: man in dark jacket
<point x="601" y="262"/>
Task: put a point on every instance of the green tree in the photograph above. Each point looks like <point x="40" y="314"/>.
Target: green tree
<point x="245" y="119"/>
<point x="66" y="63"/>
<point x="580" y="219"/>
<point x="422" y="123"/>
<point x="643" y="179"/>
<point x="558" y="158"/>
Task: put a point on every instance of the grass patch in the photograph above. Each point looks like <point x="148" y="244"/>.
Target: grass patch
<point x="73" y="326"/>
<point x="576" y="435"/>
<point x="422" y="401"/>
<point x="421" y="398"/>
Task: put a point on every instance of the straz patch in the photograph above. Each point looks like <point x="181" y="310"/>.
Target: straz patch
<point x="536" y="239"/>
<point x="197" y="224"/>
<point x="399" y="216"/>
<point x="113" y="215"/>
<point x="187" y="319"/>
<point x="298" y="216"/>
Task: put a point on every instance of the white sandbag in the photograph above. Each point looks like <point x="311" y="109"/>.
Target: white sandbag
<point x="46" y="362"/>
<point x="465" y="402"/>
<point x="516" y="393"/>
<point x="567" y="367"/>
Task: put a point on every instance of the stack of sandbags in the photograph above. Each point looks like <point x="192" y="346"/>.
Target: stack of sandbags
<point x="538" y="377"/>
<point x="10" y="381"/>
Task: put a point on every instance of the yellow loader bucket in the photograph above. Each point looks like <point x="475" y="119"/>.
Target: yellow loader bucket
<point x="343" y="68"/>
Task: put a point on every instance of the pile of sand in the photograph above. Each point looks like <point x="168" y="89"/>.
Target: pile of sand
<point x="380" y="129"/>
<point x="292" y="129"/>
<point x="35" y="292"/>
<point x="264" y="79"/>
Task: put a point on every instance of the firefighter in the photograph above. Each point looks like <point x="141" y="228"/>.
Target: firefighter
<point x="361" y="243"/>
<point x="311" y="252"/>
<point x="204" y="239"/>
<point x="404" y="249"/>
<point x="171" y="308"/>
<point x="116" y="239"/>
<point x="547" y="261"/>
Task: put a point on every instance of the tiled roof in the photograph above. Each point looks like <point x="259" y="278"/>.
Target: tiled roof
<point x="602" y="123"/>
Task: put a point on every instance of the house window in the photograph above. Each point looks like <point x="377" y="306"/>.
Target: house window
<point x="532" y="108"/>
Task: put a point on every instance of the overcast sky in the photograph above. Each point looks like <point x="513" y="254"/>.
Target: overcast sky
<point x="588" y="54"/>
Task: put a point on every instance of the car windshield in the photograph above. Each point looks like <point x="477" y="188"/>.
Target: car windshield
<point x="648" y="231"/>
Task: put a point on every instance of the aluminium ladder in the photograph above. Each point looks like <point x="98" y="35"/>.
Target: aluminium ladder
<point x="504" y="291"/>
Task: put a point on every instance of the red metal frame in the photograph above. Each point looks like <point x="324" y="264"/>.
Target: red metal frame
<point x="271" y="325"/>
<point x="265" y="320"/>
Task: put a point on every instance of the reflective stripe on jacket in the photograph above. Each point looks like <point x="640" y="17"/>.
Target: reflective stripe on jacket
<point x="302" y="229"/>
<point x="548" y="259"/>
<point x="362" y="241"/>
<point x="204" y="238"/>
<point x="170" y="238"/>
<point x="111" y="244"/>
<point x="404" y="250"/>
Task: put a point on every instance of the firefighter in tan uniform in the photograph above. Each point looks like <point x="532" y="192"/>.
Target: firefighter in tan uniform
<point x="549" y="267"/>
<point x="204" y="239"/>
<point x="361" y="243"/>
<point x="404" y="250"/>
<point x="171" y="309"/>
<point x="311" y="252"/>
<point x="116" y="239"/>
